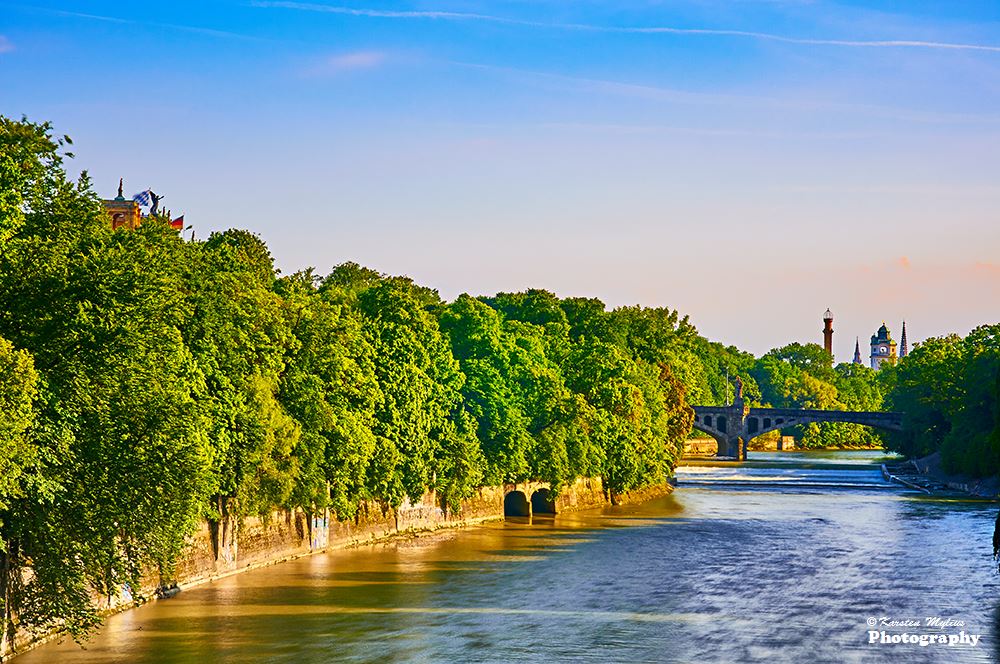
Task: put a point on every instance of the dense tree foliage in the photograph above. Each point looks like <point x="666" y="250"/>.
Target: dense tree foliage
<point x="116" y="457"/>
<point x="147" y="383"/>
<point x="803" y="376"/>
<point x="948" y="387"/>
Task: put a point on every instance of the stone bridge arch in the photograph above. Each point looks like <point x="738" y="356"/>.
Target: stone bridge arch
<point x="735" y="426"/>
<point x="542" y="502"/>
<point x="526" y="499"/>
<point x="515" y="503"/>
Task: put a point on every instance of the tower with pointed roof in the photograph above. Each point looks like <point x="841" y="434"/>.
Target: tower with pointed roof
<point x="883" y="348"/>
<point x="903" y="348"/>
<point x="857" y="351"/>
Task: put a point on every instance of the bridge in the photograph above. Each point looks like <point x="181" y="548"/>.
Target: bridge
<point x="735" y="425"/>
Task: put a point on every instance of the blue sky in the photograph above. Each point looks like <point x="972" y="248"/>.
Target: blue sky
<point x="749" y="162"/>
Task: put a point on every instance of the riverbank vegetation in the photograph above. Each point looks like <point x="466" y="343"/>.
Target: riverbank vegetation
<point x="147" y="383"/>
<point x="949" y="388"/>
<point x="803" y="376"/>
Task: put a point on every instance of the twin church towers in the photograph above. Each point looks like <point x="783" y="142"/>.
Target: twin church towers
<point x="883" y="347"/>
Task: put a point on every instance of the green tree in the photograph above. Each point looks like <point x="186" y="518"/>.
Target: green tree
<point x="116" y="482"/>
<point x="946" y="387"/>
<point x="329" y="386"/>
<point x="966" y="446"/>
<point x="929" y="390"/>
<point x="490" y="391"/>
<point x="420" y="382"/>
<point x="31" y="173"/>
<point x="632" y="421"/>
<point x="858" y="388"/>
<point x="18" y="389"/>
<point x="800" y="376"/>
<point x="238" y="333"/>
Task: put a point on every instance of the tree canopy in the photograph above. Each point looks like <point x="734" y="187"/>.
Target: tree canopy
<point x="147" y="383"/>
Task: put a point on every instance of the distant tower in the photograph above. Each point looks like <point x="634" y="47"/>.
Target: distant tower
<point x="828" y="332"/>
<point x="123" y="213"/>
<point x="857" y="351"/>
<point x="903" y="348"/>
<point x="883" y="348"/>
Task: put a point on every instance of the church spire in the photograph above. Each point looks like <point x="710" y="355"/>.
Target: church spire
<point x="857" y="350"/>
<point x="902" y="344"/>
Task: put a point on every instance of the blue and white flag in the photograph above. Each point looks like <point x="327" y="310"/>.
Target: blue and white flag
<point x="143" y="198"/>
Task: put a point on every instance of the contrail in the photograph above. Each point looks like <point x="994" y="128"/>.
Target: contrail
<point x="388" y="13"/>
<point x="224" y="34"/>
<point x="583" y="27"/>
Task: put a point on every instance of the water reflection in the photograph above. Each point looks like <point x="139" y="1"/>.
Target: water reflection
<point x="739" y="564"/>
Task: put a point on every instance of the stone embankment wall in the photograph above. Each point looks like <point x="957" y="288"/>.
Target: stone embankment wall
<point x="231" y="546"/>
<point x="772" y="443"/>
<point x="218" y="550"/>
<point x="700" y="447"/>
<point x="221" y="549"/>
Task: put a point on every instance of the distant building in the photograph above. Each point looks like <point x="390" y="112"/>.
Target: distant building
<point x="124" y="213"/>
<point x="828" y="332"/>
<point x="857" y="351"/>
<point x="903" y="348"/>
<point x="883" y="348"/>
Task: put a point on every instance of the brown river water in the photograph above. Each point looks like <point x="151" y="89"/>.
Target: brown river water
<point x="785" y="559"/>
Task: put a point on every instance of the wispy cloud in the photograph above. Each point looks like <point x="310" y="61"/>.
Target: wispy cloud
<point x="345" y="62"/>
<point x="5" y="45"/>
<point x="676" y="96"/>
<point x="654" y="129"/>
<point x="913" y="190"/>
<point x="210" y="32"/>
<point x="987" y="268"/>
<point x="387" y="13"/>
<point x="585" y="27"/>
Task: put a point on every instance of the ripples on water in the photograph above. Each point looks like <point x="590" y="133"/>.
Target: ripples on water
<point x="781" y="560"/>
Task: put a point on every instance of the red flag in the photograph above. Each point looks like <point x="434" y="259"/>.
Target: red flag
<point x="178" y="223"/>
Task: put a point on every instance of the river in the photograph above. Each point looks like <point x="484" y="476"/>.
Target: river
<point x="783" y="559"/>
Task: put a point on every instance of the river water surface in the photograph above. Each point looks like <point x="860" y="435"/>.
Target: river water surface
<point x="783" y="559"/>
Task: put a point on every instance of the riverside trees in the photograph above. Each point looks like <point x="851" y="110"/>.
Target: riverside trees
<point x="147" y="383"/>
<point x="802" y="376"/>
<point x="949" y="387"/>
<point x="116" y="459"/>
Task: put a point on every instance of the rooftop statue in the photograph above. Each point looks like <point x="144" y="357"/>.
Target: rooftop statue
<point x="156" y="202"/>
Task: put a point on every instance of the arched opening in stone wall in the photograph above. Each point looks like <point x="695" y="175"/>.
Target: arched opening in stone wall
<point x="542" y="503"/>
<point x="515" y="503"/>
<point x="721" y="424"/>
